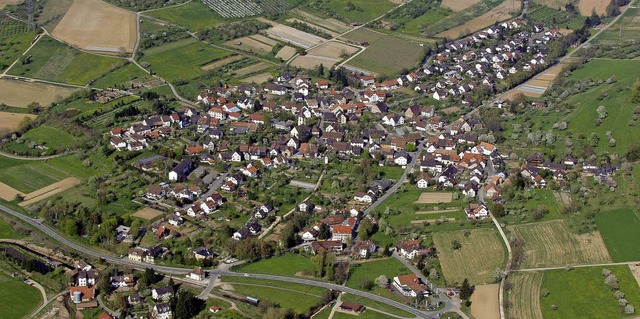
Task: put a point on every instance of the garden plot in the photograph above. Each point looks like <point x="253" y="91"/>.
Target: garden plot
<point x="330" y="23"/>
<point x="587" y="7"/>
<point x="147" y="213"/>
<point x="333" y="49"/>
<point x="222" y="62"/>
<point x="234" y="8"/>
<point x="434" y="198"/>
<point x="263" y="39"/>
<point x="458" y="5"/>
<point x="252" y="69"/>
<point x="286" y="53"/>
<point x="294" y="36"/>
<point x="20" y="94"/>
<point x="105" y="27"/>
<point x="311" y="61"/>
<point x="9" y="122"/>
<point x="499" y="13"/>
<point x="8" y="193"/>
<point x="249" y="44"/>
<point x="329" y="32"/>
<point x="258" y="78"/>
<point x="553" y="244"/>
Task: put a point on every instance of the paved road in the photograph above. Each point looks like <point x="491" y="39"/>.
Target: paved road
<point x="215" y="272"/>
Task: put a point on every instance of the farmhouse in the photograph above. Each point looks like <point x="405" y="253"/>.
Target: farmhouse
<point x="476" y="211"/>
<point x="408" y="249"/>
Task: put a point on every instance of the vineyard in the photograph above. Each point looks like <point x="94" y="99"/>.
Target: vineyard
<point x="230" y="9"/>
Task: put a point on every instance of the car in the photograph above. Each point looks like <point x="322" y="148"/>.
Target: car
<point x="246" y="275"/>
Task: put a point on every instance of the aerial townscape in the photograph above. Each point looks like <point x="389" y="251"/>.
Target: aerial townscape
<point x="298" y="159"/>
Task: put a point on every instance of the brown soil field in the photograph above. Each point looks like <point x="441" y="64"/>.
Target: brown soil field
<point x="484" y="302"/>
<point x="451" y="109"/>
<point x="286" y="53"/>
<point x="294" y="36"/>
<point x="48" y="191"/>
<point x="252" y="69"/>
<point x="9" y="121"/>
<point x="263" y="39"/>
<point x="147" y="213"/>
<point x="323" y="29"/>
<point x="635" y="270"/>
<point x="249" y="44"/>
<point x="457" y="5"/>
<point x="258" y="78"/>
<point x="542" y="80"/>
<point x="330" y="23"/>
<point x="3" y="3"/>
<point x="553" y="244"/>
<point x="311" y="61"/>
<point x="97" y="26"/>
<point x="220" y="63"/>
<point x="586" y="7"/>
<point x="478" y="257"/>
<point x="441" y="211"/>
<point x="432" y="221"/>
<point x="525" y="295"/>
<point x="20" y="93"/>
<point x="8" y="193"/>
<point x="434" y="198"/>
<point x="499" y="13"/>
<point x="333" y="49"/>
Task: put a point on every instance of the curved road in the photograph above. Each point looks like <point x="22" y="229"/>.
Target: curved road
<point x="214" y="272"/>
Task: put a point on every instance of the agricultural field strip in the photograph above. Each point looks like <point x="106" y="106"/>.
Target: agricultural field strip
<point x="525" y="295"/>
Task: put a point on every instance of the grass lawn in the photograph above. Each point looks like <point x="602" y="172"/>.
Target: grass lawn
<point x="55" y="61"/>
<point x="620" y="230"/>
<point x="581" y="293"/>
<point x="367" y="314"/>
<point x="194" y="16"/>
<point x="7" y="232"/>
<point x="531" y="200"/>
<point x="30" y="176"/>
<point x="391" y="172"/>
<point x="369" y="271"/>
<point x="389" y="55"/>
<point x="362" y="10"/>
<point x="377" y="305"/>
<point x="298" y="301"/>
<point x="278" y="284"/>
<point x="417" y="25"/>
<point x="22" y="298"/>
<point x="181" y="60"/>
<point x="285" y="265"/>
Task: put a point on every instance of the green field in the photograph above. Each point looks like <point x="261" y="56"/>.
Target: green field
<point x="457" y="18"/>
<point x="618" y="104"/>
<point x="285" y="265"/>
<point x="620" y="230"/>
<point x="367" y="314"/>
<point x="377" y="305"/>
<point x="30" y="176"/>
<point x="552" y="17"/>
<point x="421" y="23"/>
<point x="7" y="231"/>
<point x="51" y="137"/>
<point x="521" y="209"/>
<point x="19" y="298"/>
<point x="389" y="55"/>
<point x="194" y="16"/>
<point x="581" y="293"/>
<point x="358" y="11"/>
<point x="54" y="61"/>
<point x="182" y="60"/>
<point x="15" y="38"/>
<point x="298" y="300"/>
<point x="276" y="284"/>
<point x="122" y="75"/>
<point x="369" y="271"/>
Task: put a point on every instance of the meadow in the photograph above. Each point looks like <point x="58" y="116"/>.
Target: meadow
<point x="524" y="296"/>
<point x="521" y="210"/>
<point x="370" y="270"/>
<point x="182" y="60"/>
<point x="7" y="231"/>
<point x="581" y="293"/>
<point x="297" y="300"/>
<point x="389" y="55"/>
<point x="620" y="230"/>
<point x="480" y="254"/>
<point x="554" y="17"/>
<point x="626" y="29"/>
<point x="286" y="265"/>
<point x="194" y="16"/>
<point x="15" y="38"/>
<point x="122" y="75"/>
<point x="421" y="23"/>
<point x="356" y="11"/>
<point x="55" y="61"/>
<point x="22" y="298"/>
<point x="553" y="244"/>
<point x="458" y="18"/>
<point x="377" y="305"/>
<point x="52" y="137"/>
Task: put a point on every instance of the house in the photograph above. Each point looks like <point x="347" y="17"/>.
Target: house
<point x="122" y="281"/>
<point x="393" y="120"/>
<point x="197" y="274"/>
<point x="182" y="170"/>
<point x="214" y="309"/>
<point x="491" y="191"/>
<point x="408" y="248"/>
<point x="161" y="311"/>
<point x="409" y="285"/>
<point x="476" y="211"/>
<point x="306" y="206"/>
<point x="162" y="293"/>
<point x="242" y="233"/>
<point x="86" y="278"/>
<point x="86" y="293"/>
<point x="326" y="245"/>
<point x="352" y="307"/>
<point x="363" y="197"/>
<point x="341" y="233"/>
<point x="155" y="192"/>
<point x="175" y="220"/>
<point x="364" y="248"/>
<point x="135" y="299"/>
<point x="401" y="158"/>
<point x="202" y="253"/>
<point x="422" y="181"/>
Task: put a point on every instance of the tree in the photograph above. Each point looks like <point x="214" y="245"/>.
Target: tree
<point x="466" y="290"/>
<point x="382" y="281"/>
<point x="456" y="245"/>
<point x="498" y="210"/>
<point x="104" y="283"/>
<point x="635" y="92"/>
<point x="366" y="229"/>
<point x="612" y="281"/>
<point x="324" y="232"/>
<point x="185" y="305"/>
<point x="148" y="277"/>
